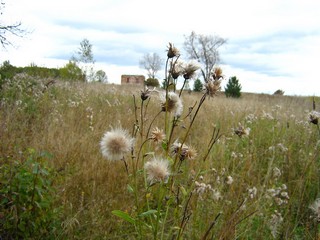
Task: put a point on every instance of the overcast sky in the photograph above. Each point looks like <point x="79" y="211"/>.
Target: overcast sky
<point x="271" y="44"/>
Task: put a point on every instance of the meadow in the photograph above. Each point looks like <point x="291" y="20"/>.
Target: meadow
<point x="243" y="168"/>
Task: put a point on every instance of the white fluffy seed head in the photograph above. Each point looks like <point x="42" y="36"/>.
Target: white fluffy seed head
<point x="115" y="144"/>
<point x="157" y="170"/>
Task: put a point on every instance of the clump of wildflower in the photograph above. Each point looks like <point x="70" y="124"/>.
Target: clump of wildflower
<point x="184" y="151"/>
<point x="216" y="195"/>
<point x="229" y="180"/>
<point x="252" y="192"/>
<point x="282" y="147"/>
<point x="251" y="118"/>
<point x="314" y="117"/>
<point x="172" y="104"/>
<point x="242" y="131"/>
<point x="276" y="172"/>
<point x="266" y="115"/>
<point x="201" y="188"/>
<point x="275" y="222"/>
<point x="315" y="207"/>
<point x="157" y="170"/>
<point x="172" y="51"/>
<point x="115" y="144"/>
<point x="279" y="195"/>
<point x="157" y="135"/>
<point x="190" y="69"/>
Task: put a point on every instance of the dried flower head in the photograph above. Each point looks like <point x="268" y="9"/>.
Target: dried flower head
<point x="177" y="69"/>
<point x="184" y="151"/>
<point x="157" y="135"/>
<point x="242" y="131"/>
<point x="172" y="51"/>
<point x="145" y="94"/>
<point x="212" y="87"/>
<point x="172" y="104"/>
<point x="157" y="170"/>
<point x="190" y="69"/>
<point x="315" y="207"/>
<point x="217" y="73"/>
<point x="115" y="144"/>
<point x="191" y="153"/>
<point x="314" y="117"/>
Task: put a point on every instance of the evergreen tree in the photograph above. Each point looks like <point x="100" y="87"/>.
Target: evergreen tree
<point x="197" y="87"/>
<point x="233" y="88"/>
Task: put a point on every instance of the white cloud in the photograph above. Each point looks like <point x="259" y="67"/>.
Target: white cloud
<point x="271" y="44"/>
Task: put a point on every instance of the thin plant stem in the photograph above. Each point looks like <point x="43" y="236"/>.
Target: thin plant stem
<point x="149" y="128"/>
<point x="210" y="227"/>
<point x="184" y="83"/>
<point x="141" y="120"/>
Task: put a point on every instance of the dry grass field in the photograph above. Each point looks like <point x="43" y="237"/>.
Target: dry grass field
<point x="245" y="168"/>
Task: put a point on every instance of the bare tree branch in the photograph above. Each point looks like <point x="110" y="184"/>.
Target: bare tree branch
<point x="204" y="48"/>
<point x="7" y="30"/>
<point x="152" y="63"/>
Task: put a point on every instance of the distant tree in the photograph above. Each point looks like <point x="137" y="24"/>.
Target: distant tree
<point x="204" y="48"/>
<point x="84" y="58"/>
<point x="7" y="71"/>
<point x="152" y="63"/>
<point x="233" y="88"/>
<point x="278" y="92"/>
<point x="71" y="72"/>
<point x="152" y="82"/>
<point x="197" y="86"/>
<point x="8" y="30"/>
<point x="84" y="53"/>
<point x="101" y="76"/>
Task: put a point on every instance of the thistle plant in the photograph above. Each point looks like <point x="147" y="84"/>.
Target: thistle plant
<point x="166" y="191"/>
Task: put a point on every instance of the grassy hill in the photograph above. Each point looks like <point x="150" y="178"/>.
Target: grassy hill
<point x="254" y="172"/>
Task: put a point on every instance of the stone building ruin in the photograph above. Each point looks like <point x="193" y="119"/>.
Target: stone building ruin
<point x="132" y="79"/>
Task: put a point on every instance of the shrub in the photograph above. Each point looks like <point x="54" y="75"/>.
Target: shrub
<point x="198" y="86"/>
<point x="152" y="82"/>
<point x="279" y="92"/>
<point x="27" y="198"/>
<point x="233" y="88"/>
<point x="72" y="72"/>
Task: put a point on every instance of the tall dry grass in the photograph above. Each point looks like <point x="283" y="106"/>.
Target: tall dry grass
<point x="68" y="120"/>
